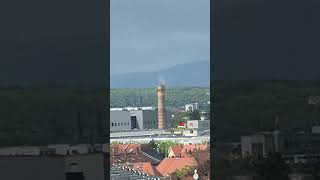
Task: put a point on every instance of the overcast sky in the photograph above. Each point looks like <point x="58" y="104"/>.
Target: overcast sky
<point x="147" y="35"/>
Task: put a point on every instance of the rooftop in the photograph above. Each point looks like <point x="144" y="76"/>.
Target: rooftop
<point x="131" y="158"/>
<point x="120" y="172"/>
<point x="170" y="165"/>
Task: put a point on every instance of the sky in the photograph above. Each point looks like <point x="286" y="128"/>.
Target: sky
<point x="259" y="39"/>
<point x="54" y="42"/>
<point x="148" y="35"/>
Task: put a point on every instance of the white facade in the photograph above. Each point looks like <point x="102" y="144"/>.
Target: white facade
<point x="191" y="107"/>
<point x="260" y="144"/>
<point x="198" y="124"/>
<point x="146" y="119"/>
<point x="135" y="118"/>
<point x="188" y="132"/>
<point x="120" y="120"/>
<point x="315" y="129"/>
<point x="60" y="149"/>
<point x="22" y="151"/>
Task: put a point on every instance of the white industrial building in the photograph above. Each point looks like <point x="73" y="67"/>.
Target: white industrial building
<point x="120" y="120"/>
<point x="200" y="125"/>
<point x="193" y="128"/>
<point x="129" y="118"/>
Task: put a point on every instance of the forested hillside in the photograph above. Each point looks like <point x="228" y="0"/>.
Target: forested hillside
<point x="175" y="96"/>
<point x="39" y="115"/>
<point x="248" y="106"/>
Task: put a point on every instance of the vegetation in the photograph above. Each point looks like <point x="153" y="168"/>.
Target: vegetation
<point x="180" y="117"/>
<point x="164" y="146"/>
<point x="270" y="168"/>
<point x="175" y="96"/>
<point x="184" y="172"/>
<point x="241" y="107"/>
<point x="117" y="142"/>
<point x="195" y="115"/>
<point x="41" y="115"/>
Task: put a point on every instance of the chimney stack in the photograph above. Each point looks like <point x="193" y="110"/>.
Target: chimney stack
<point x="161" y="107"/>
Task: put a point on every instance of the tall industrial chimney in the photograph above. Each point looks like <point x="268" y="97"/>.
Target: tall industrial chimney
<point x="161" y="107"/>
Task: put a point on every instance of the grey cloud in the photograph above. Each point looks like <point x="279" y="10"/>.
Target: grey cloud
<point x="147" y="35"/>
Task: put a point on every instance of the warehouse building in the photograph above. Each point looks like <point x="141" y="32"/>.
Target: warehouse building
<point x="135" y="118"/>
<point x="120" y="121"/>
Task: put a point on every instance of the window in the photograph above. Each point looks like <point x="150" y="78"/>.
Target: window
<point x="115" y="124"/>
<point x="112" y="124"/>
<point x="121" y="124"/>
<point x="118" y="124"/>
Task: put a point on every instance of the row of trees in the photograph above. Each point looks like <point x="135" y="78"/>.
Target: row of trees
<point x="271" y="168"/>
<point x="35" y="116"/>
<point x="184" y="116"/>
<point x="163" y="146"/>
<point x="175" y="96"/>
<point x="248" y="106"/>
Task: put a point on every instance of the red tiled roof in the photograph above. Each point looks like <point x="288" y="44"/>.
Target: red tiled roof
<point x="130" y="158"/>
<point x="145" y="167"/>
<point x="170" y="165"/>
<point x="177" y="150"/>
<point x="193" y="147"/>
<point x="131" y="148"/>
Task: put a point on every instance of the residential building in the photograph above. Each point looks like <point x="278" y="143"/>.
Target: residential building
<point x="183" y="150"/>
<point x="176" y="152"/>
<point x="191" y="107"/>
<point x="262" y="143"/>
<point x="170" y="165"/>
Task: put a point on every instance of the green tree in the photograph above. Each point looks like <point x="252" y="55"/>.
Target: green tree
<point x="272" y="168"/>
<point x="184" y="172"/>
<point x="195" y="115"/>
<point x="164" y="146"/>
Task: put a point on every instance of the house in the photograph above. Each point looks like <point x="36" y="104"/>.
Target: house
<point x="132" y="153"/>
<point x="170" y="165"/>
<point x="152" y="154"/>
<point x="122" y="149"/>
<point x="145" y="167"/>
<point x="183" y="150"/>
<point x="194" y="147"/>
<point x="176" y="151"/>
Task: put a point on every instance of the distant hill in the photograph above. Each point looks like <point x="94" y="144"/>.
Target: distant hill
<point x="187" y="74"/>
